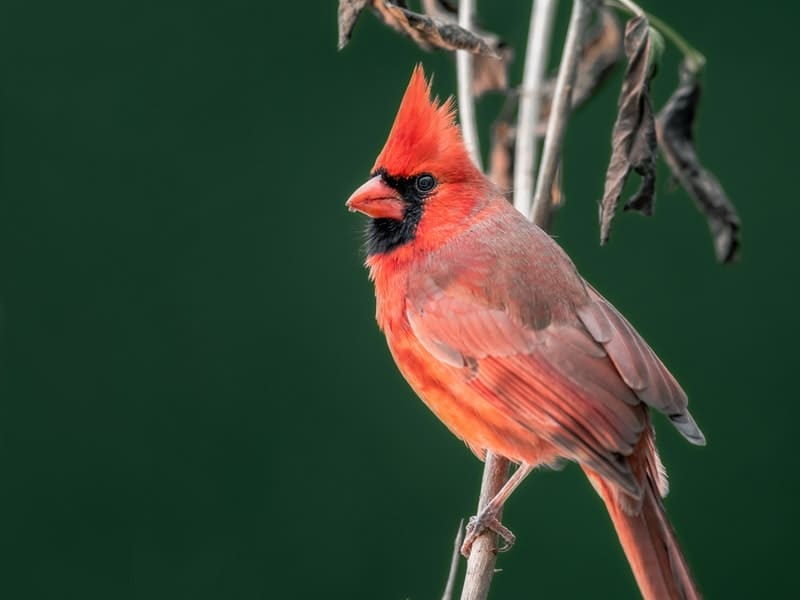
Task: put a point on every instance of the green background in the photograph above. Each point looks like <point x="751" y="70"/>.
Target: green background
<point x="196" y="402"/>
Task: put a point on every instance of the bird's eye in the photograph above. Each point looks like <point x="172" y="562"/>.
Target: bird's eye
<point x="425" y="183"/>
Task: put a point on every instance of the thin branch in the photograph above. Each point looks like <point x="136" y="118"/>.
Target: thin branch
<point x="466" y="99"/>
<point x="559" y="112"/>
<point x="632" y="7"/>
<point x="695" y="58"/>
<point x="536" y="56"/>
<point x="451" y="576"/>
<point x="480" y="566"/>
<point x="483" y="557"/>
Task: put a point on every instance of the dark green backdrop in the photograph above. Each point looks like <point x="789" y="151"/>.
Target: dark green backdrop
<point x="196" y="402"/>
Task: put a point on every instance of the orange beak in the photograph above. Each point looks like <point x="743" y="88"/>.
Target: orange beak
<point x="377" y="200"/>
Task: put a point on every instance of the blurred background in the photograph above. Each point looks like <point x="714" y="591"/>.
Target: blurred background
<point x="195" y="401"/>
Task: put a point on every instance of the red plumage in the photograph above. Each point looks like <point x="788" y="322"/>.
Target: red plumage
<point x="492" y="326"/>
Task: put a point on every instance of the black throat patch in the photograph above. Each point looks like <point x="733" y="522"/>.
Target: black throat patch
<point x="384" y="235"/>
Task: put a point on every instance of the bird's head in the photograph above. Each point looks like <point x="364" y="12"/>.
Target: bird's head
<point x="424" y="184"/>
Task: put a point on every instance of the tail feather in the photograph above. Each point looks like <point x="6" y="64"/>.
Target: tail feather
<point x="649" y="543"/>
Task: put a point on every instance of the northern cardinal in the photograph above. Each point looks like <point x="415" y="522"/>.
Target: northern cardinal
<point x="492" y="326"/>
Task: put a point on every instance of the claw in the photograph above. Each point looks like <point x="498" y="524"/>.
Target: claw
<point x="487" y="517"/>
<point x="486" y="521"/>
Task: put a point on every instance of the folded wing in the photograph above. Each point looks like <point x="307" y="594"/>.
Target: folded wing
<point x="574" y="373"/>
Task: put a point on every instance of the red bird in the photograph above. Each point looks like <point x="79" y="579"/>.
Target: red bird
<point x="492" y="326"/>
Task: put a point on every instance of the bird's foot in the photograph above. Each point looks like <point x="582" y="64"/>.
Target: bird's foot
<point x="486" y="520"/>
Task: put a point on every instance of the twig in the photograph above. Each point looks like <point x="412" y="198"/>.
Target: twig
<point x="536" y="56"/>
<point x="559" y="113"/>
<point x="695" y="58"/>
<point x="632" y="7"/>
<point x="480" y="566"/>
<point x="466" y="99"/>
<point x="451" y="576"/>
<point x="482" y="559"/>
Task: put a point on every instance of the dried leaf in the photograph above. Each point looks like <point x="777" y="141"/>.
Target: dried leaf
<point x="348" y="15"/>
<point x="431" y="32"/>
<point x="633" y="138"/>
<point x="438" y="30"/>
<point x="501" y="158"/>
<point x="504" y="138"/>
<point x="674" y="127"/>
<point x="488" y="72"/>
<point x="600" y="54"/>
<point x="602" y="50"/>
<point x="557" y="189"/>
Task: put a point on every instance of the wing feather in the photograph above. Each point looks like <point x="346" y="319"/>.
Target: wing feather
<point x="580" y="384"/>
<point x="542" y="346"/>
<point x="556" y="381"/>
<point x="638" y="365"/>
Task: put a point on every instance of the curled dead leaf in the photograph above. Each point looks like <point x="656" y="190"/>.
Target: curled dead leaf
<point x="488" y="72"/>
<point x="348" y="15"/>
<point x="633" y="137"/>
<point x="504" y="138"/>
<point x="431" y="32"/>
<point x="674" y="128"/>
<point x="501" y="158"/>
<point x="557" y="189"/>
<point x="602" y="50"/>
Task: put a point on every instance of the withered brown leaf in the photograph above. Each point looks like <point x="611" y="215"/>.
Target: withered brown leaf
<point x="633" y="138"/>
<point x="601" y="51"/>
<point x="501" y="158"/>
<point x="348" y="15"/>
<point x="488" y="72"/>
<point x="430" y="32"/>
<point x="557" y="197"/>
<point x="674" y="128"/>
<point x="504" y="138"/>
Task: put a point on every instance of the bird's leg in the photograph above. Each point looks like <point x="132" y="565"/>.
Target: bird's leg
<point x="487" y="519"/>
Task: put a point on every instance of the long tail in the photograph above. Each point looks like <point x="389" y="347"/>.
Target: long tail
<point x="649" y="543"/>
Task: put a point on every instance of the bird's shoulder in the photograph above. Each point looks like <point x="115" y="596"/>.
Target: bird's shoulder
<point x="501" y="261"/>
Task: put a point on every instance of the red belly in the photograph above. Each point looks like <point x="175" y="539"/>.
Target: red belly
<point x="470" y="416"/>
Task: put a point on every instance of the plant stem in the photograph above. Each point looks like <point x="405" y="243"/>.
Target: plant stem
<point x="466" y="100"/>
<point x="631" y="7"/>
<point x="482" y="559"/>
<point x="559" y="112"/>
<point x="481" y="562"/>
<point x="480" y="566"/>
<point x="695" y="59"/>
<point x="536" y="55"/>
<point x="451" y="576"/>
